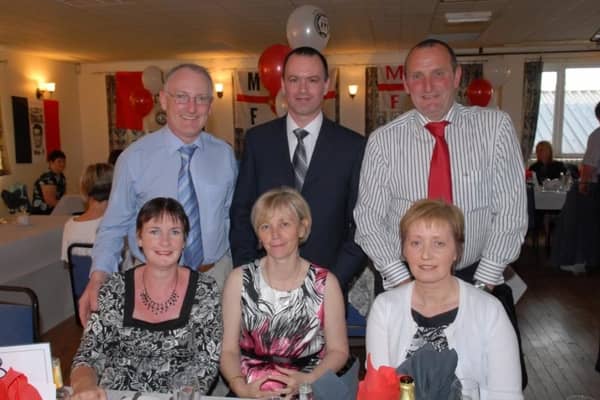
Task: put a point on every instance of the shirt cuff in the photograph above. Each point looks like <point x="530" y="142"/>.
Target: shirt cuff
<point x="393" y="274"/>
<point x="490" y="272"/>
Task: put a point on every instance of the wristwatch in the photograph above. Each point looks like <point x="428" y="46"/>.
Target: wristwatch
<point x="481" y="285"/>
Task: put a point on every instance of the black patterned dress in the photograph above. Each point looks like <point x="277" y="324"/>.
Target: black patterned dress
<point x="129" y="354"/>
<point x="282" y="328"/>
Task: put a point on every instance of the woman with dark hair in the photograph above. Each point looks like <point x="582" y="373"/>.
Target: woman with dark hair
<point x="155" y="321"/>
<point x="51" y="185"/>
<point x="96" y="183"/>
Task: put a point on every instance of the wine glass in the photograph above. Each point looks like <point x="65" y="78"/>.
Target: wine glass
<point x="185" y="386"/>
<point x="464" y="389"/>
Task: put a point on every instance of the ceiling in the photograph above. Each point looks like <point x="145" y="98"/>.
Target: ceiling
<point x="114" y="30"/>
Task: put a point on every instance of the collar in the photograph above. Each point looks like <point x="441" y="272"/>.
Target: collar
<point x="313" y="127"/>
<point x="173" y="142"/>
<point x="450" y="115"/>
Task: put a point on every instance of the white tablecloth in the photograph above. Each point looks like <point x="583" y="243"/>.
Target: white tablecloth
<point x="549" y="199"/>
<point x="30" y="256"/>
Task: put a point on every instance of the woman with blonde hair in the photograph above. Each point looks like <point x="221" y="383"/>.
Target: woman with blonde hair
<point x="96" y="184"/>
<point x="283" y="316"/>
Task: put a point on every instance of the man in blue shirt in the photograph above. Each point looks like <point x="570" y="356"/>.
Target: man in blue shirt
<point x="150" y="168"/>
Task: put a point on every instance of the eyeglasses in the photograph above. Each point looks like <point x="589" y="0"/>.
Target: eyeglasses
<point x="184" y="98"/>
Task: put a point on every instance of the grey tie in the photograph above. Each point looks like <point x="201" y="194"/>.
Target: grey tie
<point x="299" y="161"/>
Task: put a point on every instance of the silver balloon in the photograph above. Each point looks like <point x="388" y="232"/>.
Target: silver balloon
<point x="496" y="72"/>
<point x="281" y="105"/>
<point x="308" y="26"/>
<point x="152" y="78"/>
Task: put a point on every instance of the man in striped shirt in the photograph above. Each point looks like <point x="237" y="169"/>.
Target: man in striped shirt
<point x="486" y="170"/>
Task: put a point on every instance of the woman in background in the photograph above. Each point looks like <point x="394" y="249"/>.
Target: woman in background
<point x="96" y="183"/>
<point x="51" y="185"/>
<point x="545" y="167"/>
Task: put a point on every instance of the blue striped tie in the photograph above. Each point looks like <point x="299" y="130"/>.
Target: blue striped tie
<point x="192" y="254"/>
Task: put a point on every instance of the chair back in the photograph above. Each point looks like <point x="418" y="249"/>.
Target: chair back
<point x="530" y="208"/>
<point x="19" y="310"/>
<point x="79" y="272"/>
<point x="356" y="324"/>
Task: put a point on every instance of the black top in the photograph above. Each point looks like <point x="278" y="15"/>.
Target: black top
<point x="548" y="171"/>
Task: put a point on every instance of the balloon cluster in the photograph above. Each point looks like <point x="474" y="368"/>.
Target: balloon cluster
<point x="306" y="26"/>
<point x="142" y="99"/>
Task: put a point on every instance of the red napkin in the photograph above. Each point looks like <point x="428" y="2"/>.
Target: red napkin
<point x="380" y="384"/>
<point x="14" y="386"/>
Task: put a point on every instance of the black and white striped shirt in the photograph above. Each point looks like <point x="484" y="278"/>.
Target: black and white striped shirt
<point x="488" y="185"/>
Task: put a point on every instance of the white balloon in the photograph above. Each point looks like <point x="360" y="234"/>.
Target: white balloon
<point x="496" y="72"/>
<point x="152" y="78"/>
<point x="281" y="105"/>
<point x="308" y="26"/>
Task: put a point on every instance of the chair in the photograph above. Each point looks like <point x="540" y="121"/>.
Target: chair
<point x="20" y="319"/>
<point x="356" y="324"/>
<point x="79" y="272"/>
<point x="532" y="230"/>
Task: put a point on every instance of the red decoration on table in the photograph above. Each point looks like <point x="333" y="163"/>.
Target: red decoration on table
<point x="380" y="384"/>
<point x="270" y="67"/>
<point x="479" y="92"/>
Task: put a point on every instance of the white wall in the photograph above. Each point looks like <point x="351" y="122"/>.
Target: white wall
<point x="19" y="76"/>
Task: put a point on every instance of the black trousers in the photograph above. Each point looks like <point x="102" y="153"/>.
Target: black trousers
<point x="504" y="294"/>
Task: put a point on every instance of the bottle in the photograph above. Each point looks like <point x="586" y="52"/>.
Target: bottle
<point x="407" y="388"/>
<point x="305" y="392"/>
<point x="61" y="391"/>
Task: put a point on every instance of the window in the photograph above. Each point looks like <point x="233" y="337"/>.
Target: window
<point x="566" y="116"/>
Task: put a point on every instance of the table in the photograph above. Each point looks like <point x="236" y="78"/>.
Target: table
<point x="69" y="204"/>
<point x="118" y="395"/>
<point x="549" y="199"/>
<point x="30" y="257"/>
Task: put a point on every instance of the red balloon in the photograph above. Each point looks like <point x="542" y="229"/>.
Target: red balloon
<point x="141" y="101"/>
<point x="480" y="92"/>
<point x="270" y="67"/>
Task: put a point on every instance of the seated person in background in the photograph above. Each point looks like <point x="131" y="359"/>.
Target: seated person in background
<point x="154" y="321"/>
<point x="283" y="317"/>
<point x="112" y="157"/>
<point x="96" y="183"/>
<point x="51" y="185"/>
<point x="439" y="311"/>
<point x="545" y="167"/>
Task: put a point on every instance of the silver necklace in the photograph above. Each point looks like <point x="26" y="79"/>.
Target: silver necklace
<point x="155" y="307"/>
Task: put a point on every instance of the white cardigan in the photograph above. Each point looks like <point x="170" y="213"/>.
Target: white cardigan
<point x="481" y="334"/>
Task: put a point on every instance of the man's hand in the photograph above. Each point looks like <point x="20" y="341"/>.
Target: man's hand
<point x="88" y="301"/>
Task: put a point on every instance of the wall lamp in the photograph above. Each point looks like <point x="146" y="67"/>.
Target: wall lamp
<point x="352" y="90"/>
<point x="219" y="89"/>
<point x="44" y="87"/>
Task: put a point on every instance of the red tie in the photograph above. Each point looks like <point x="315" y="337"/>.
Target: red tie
<point x="440" y="178"/>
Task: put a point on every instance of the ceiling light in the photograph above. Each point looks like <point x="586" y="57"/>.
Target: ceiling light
<point x="466" y="17"/>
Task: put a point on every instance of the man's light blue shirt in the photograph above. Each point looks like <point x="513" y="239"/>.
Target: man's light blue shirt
<point x="149" y="168"/>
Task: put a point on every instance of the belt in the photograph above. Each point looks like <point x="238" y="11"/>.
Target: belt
<point x="206" y="267"/>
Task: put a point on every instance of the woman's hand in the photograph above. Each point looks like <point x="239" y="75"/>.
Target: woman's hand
<point x="252" y="390"/>
<point x="90" y="394"/>
<point x="292" y="379"/>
